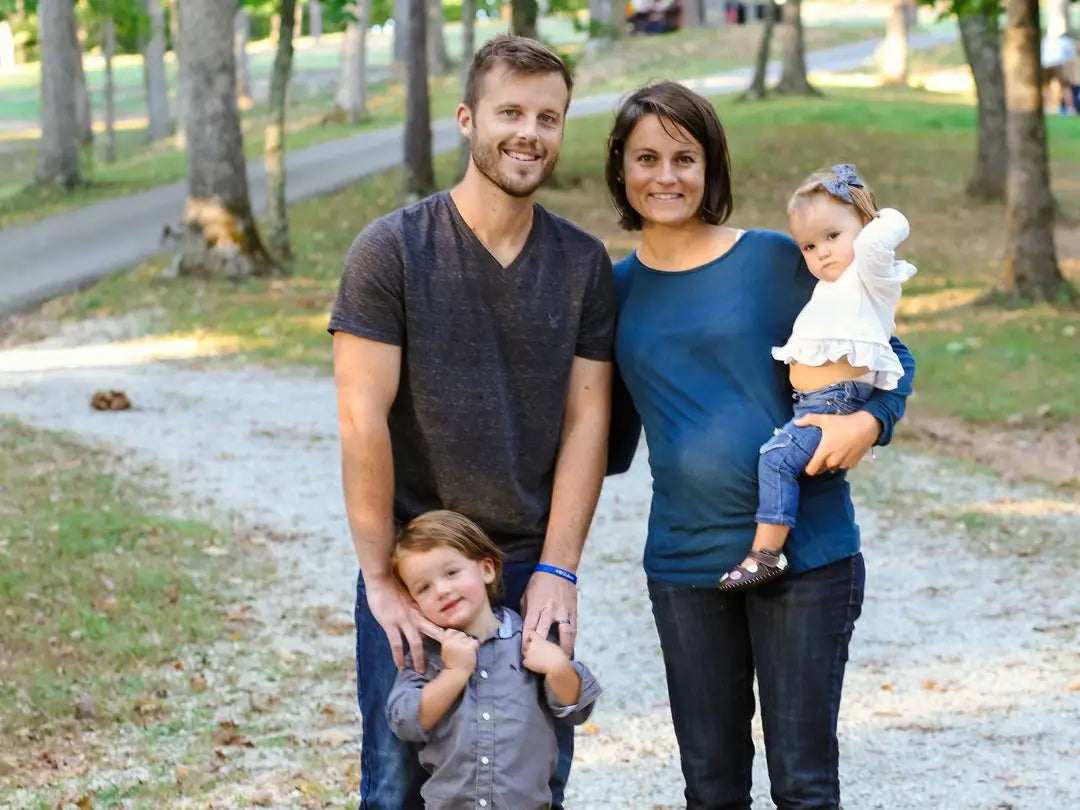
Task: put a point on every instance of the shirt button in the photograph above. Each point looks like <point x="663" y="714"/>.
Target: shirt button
<point x="483" y="802"/>
<point x="485" y="716"/>
<point x="483" y="673"/>
<point x="484" y="760"/>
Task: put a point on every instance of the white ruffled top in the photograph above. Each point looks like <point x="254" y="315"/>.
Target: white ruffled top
<point x="854" y="316"/>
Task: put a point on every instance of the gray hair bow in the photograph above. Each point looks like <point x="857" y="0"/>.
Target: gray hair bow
<point x="845" y="176"/>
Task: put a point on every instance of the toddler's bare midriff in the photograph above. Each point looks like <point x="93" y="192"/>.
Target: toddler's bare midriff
<point x="811" y="378"/>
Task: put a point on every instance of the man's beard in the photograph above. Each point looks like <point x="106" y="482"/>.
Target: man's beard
<point x="487" y="160"/>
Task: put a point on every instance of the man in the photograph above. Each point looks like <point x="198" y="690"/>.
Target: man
<point x="1058" y="56"/>
<point x="472" y="348"/>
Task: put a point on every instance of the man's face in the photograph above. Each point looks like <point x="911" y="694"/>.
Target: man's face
<point x="516" y="129"/>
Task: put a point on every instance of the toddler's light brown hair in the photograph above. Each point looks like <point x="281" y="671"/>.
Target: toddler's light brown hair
<point x="443" y="528"/>
<point x="862" y="196"/>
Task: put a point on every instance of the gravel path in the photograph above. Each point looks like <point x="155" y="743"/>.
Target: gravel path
<point x="963" y="689"/>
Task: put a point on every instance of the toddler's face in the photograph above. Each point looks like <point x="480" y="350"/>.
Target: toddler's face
<point x="449" y="588"/>
<point x="825" y="230"/>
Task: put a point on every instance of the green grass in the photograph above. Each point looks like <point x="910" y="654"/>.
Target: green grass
<point x="101" y="596"/>
<point x="979" y="362"/>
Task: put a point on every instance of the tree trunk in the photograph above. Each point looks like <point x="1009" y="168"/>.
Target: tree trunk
<point x="756" y="91"/>
<point x="401" y="31"/>
<point x="523" y="18"/>
<point x="82" y="97"/>
<point x="58" y="154"/>
<point x="277" y="216"/>
<point x="468" y="48"/>
<point x="182" y="91"/>
<point x="315" y="20"/>
<point x="419" y="169"/>
<point x="108" y="47"/>
<point x="793" y="75"/>
<point x="241" y="36"/>
<point x="1031" y="269"/>
<point x="692" y="16"/>
<point x="894" y="50"/>
<point x="982" y="47"/>
<point x="219" y="234"/>
<point x="351" y="97"/>
<point x="438" y="60"/>
<point x="157" y="85"/>
<point x="616" y="10"/>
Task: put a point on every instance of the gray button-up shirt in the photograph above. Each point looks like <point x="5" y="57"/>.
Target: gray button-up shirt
<point x="496" y="746"/>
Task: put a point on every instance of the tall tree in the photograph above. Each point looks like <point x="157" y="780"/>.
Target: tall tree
<point x="756" y="90"/>
<point x="438" y="59"/>
<point x="894" y="50"/>
<point x="401" y="30"/>
<point x="693" y="14"/>
<point x="982" y="47"/>
<point x="523" y="17"/>
<point x="1030" y="266"/>
<point x="157" y="86"/>
<point x="58" y="153"/>
<point x="182" y="89"/>
<point x="108" y="50"/>
<point x="82" y="96"/>
<point x="419" y="169"/>
<point x="351" y="96"/>
<point x="241" y="37"/>
<point x="219" y="233"/>
<point x="468" y="49"/>
<point x="277" y="215"/>
<point x="793" y="74"/>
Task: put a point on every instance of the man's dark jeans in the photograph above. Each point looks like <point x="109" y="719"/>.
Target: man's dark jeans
<point x="390" y="773"/>
<point x="796" y="631"/>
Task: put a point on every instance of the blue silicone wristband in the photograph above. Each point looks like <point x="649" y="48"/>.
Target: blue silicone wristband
<point x="544" y="568"/>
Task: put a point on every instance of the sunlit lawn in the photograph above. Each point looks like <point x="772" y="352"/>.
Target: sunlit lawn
<point x="979" y="362"/>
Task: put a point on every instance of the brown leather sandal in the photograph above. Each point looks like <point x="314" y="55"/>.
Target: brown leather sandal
<point x="769" y="565"/>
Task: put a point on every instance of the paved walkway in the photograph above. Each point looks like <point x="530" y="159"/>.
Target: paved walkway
<point x="73" y="249"/>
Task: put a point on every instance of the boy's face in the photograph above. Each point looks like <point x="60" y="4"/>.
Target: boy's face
<point x="825" y="230"/>
<point x="516" y="129"/>
<point x="449" y="588"/>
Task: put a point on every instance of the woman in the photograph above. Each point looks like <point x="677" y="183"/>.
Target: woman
<point x="701" y="306"/>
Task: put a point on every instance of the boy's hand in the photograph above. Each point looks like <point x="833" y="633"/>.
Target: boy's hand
<point x="542" y="656"/>
<point x="459" y="650"/>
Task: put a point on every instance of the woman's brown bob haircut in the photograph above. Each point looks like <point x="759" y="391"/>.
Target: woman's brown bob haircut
<point x="686" y="109"/>
<point x="518" y="55"/>
<point x="446" y="529"/>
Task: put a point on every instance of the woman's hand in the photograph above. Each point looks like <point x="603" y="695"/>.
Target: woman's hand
<point x="845" y="439"/>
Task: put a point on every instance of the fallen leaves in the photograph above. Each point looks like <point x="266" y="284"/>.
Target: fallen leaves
<point x="111" y="400"/>
<point x="229" y="734"/>
<point x="334" y="738"/>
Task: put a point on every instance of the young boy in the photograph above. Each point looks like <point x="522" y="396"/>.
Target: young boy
<point x="482" y="712"/>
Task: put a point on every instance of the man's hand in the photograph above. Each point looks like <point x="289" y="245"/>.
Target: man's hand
<point x="398" y="616"/>
<point x="548" y="600"/>
<point x="845" y="439"/>
<point x="459" y="651"/>
<point x="544" y="657"/>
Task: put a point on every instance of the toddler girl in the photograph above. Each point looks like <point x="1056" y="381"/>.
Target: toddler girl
<point x="839" y="346"/>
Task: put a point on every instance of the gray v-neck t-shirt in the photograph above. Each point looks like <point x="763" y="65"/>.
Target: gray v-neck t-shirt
<point x="486" y="355"/>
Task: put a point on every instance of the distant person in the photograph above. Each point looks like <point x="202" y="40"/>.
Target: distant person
<point x="838" y="353"/>
<point x="1059" y="72"/>
<point x="472" y="358"/>
<point x="701" y="304"/>
<point x="482" y="713"/>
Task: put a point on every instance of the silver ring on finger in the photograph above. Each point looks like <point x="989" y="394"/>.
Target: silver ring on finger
<point x="564" y="621"/>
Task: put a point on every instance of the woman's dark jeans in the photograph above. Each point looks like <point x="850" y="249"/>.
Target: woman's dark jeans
<point x="796" y="630"/>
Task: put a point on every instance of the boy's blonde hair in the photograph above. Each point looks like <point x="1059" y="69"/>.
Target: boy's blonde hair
<point x="446" y="529"/>
<point x="822" y="181"/>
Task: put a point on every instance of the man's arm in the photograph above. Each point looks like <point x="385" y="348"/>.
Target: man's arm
<point x="579" y="473"/>
<point x="846" y="439"/>
<point x="366" y="373"/>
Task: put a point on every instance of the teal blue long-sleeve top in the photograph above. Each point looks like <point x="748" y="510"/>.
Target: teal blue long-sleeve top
<point x="693" y="348"/>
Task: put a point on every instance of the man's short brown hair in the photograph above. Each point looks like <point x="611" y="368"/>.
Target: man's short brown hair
<point x="445" y="529"/>
<point x="518" y="55"/>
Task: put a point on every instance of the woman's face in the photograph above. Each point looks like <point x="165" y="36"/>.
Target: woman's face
<point x="664" y="172"/>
